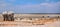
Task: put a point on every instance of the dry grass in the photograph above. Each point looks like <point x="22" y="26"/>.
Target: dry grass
<point x="33" y="22"/>
<point x="45" y="21"/>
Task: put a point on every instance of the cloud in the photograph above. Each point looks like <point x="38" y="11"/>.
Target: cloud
<point x="31" y="8"/>
<point x="4" y="4"/>
<point x="50" y="5"/>
<point x="47" y="0"/>
<point x="12" y="0"/>
<point x="40" y="8"/>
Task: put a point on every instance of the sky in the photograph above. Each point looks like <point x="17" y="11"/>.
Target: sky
<point x="30" y="6"/>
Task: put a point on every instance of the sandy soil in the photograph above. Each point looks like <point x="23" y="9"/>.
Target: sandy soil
<point x="55" y="24"/>
<point x="50" y="23"/>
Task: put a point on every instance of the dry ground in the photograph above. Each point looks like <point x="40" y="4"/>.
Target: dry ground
<point x="35" y="23"/>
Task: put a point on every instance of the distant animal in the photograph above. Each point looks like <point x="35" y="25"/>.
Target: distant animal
<point x="8" y="16"/>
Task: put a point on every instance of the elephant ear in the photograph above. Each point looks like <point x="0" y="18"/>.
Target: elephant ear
<point x="10" y="12"/>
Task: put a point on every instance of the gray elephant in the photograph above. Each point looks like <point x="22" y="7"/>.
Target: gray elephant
<point x="8" y="16"/>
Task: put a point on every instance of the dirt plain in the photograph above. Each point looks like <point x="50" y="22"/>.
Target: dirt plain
<point x="49" y="22"/>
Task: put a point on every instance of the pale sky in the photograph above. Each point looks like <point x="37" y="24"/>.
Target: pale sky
<point x="30" y="6"/>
